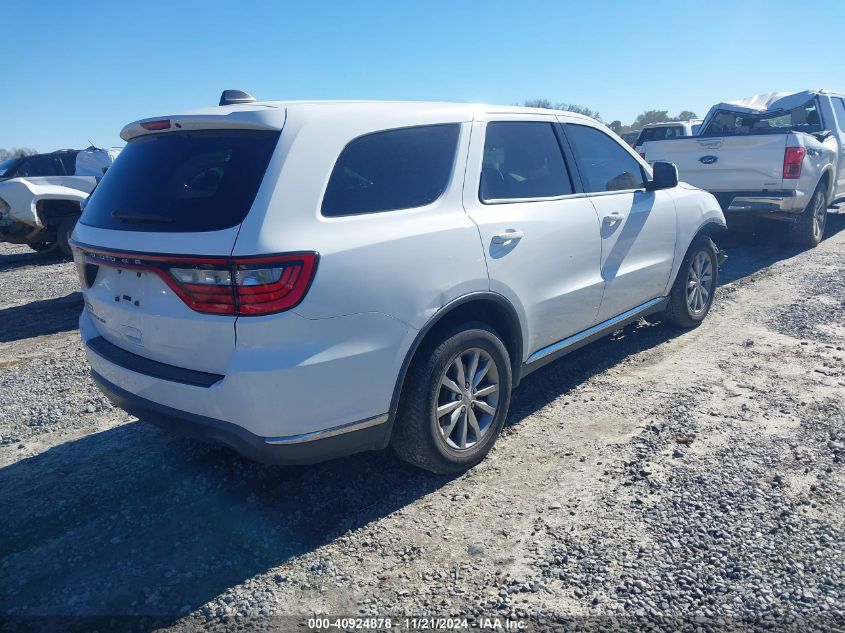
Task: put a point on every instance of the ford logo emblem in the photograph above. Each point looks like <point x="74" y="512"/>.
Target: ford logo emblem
<point x="708" y="160"/>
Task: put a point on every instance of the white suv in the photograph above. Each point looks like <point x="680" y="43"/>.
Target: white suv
<point x="304" y="280"/>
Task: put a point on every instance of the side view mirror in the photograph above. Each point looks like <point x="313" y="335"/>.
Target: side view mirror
<point x="665" y="176"/>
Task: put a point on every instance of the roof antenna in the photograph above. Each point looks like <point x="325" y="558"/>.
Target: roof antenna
<point x="234" y="97"/>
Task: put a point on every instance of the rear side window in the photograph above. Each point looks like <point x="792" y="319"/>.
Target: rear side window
<point x="390" y="170"/>
<point x="728" y="123"/>
<point x="182" y="181"/>
<point x="604" y="164"/>
<point x="839" y="108"/>
<point x="522" y="159"/>
<point x="37" y="167"/>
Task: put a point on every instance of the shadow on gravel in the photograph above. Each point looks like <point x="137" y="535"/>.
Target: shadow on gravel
<point x="133" y="520"/>
<point x="136" y="521"/>
<point x="756" y="245"/>
<point x="40" y="317"/>
<point x="30" y="259"/>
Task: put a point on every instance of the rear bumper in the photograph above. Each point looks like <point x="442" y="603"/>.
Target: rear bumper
<point x="761" y="202"/>
<point x="310" y="448"/>
<point x="288" y="376"/>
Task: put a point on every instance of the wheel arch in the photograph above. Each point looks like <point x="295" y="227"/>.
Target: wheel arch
<point x="711" y="228"/>
<point x="488" y="307"/>
<point x="829" y="180"/>
<point x="52" y="210"/>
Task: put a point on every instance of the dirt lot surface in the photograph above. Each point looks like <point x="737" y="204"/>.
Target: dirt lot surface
<point x="656" y="474"/>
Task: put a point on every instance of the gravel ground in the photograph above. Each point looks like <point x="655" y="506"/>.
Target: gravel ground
<point x="657" y="479"/>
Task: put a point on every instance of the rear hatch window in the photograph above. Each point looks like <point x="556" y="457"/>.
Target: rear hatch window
<point x="728" y="123"/>
<point x="182" y="181"/>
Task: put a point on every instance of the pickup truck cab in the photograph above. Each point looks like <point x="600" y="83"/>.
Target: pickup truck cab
<point x="779" y="156"/>
<point x="669" y="129"/>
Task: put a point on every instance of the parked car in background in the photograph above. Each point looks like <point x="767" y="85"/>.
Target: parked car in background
<point x="303" y="280"/>
<point x="669" y="129"/>
<point x="631" y="137"/>
<point x="779" y="156"/>
<point x="41" y="196"/>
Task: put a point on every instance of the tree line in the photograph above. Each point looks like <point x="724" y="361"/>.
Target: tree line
<point x="649" y="116"/>
<point x="16" y="152"/>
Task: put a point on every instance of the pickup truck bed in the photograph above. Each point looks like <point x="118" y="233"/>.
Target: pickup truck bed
<point x="745" y="173"/>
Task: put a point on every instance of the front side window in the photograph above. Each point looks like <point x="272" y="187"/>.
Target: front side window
<point x="390" y="170"/>
<point x="7" y="166"/>
<point x="522" y="159"/>
<point x="604" y="164"/>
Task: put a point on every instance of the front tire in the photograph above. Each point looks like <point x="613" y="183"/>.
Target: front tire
<point x="454" y="401"/>
<point x="695" y="286"/>
<point x="809" y="229"/>
<point x="63" y="233"/>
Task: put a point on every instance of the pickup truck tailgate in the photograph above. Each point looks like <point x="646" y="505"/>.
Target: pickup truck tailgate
<point x="730" y="163"/>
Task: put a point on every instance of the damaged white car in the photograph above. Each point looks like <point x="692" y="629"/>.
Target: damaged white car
<point x="41" y="196"/>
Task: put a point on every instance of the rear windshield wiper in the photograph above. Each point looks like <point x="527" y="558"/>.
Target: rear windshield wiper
<point x="140" y="218"/>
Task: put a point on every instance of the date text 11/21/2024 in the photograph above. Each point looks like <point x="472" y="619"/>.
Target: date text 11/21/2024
<point x="414" y="624"/>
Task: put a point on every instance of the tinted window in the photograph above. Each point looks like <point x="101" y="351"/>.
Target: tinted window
<point x="728" y="123"/>
<point x="7" y="167"/>
<point x="522" y="159"/>
<point x="36" y="167"/>
<point x="68" y="160"/>
<point x="394" y="169"/>
<point x="182" y="181"/>
<point x="604" y="164"/>
<point x="660" y="133"/>
<point x="839" y="108"/>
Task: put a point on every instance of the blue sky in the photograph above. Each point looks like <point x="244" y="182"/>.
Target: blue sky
<point x="78" y="71"/>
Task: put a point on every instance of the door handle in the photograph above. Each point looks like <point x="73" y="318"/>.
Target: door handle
<point x="613" y="218"/>
<point x="507" y="236"/>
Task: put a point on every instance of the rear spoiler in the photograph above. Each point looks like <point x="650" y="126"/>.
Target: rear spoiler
<point x="246" y="118"/>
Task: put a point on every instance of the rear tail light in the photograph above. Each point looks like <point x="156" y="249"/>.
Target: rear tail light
<point x="242" y="286"/>
<point x="642" y="155"/>
<point x="793" y="159"/>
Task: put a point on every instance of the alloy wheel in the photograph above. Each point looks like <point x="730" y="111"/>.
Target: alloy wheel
<point x="467" y="397"/>
<point x="819" y="216"/>
<point x="699" y="282"/>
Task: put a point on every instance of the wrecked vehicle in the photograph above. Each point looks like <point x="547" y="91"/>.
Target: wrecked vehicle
<point x="41" y="196"/>
<point x="779" y="156"/>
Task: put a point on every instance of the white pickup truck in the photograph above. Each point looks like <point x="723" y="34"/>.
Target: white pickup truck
<point x="779" y="156"/>
<point x="41" y="196"/>
<point x="668" y="129"/>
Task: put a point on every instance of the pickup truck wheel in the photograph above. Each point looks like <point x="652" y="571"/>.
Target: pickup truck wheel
<point x="809" y="229"/>
<point x="695" y="286"/>
<point x="63" y="233"/>
<point x="454" y="401"/>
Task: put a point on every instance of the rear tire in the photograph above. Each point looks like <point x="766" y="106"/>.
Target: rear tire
<point x="63" y="232"/>
<point x="695" y="286"/>
<point x="809" y="229"/>
<point x="437" y="415"/>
